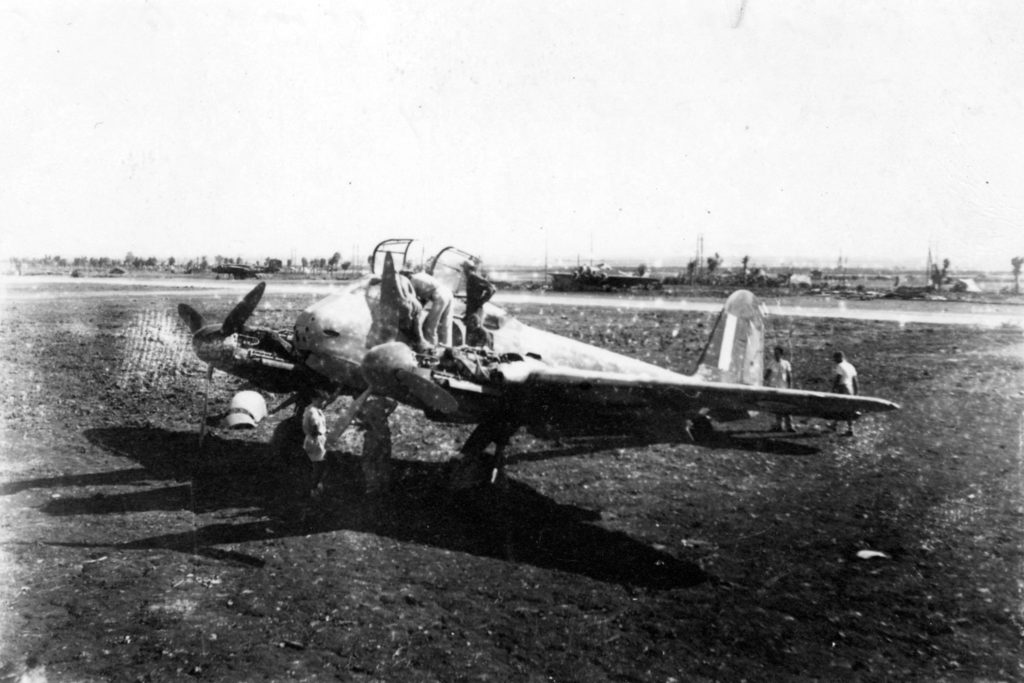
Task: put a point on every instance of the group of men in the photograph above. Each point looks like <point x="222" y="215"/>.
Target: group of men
<point x="427" y="316"/>
<point x="779" y="373"/>
<point x="425" y="322"/>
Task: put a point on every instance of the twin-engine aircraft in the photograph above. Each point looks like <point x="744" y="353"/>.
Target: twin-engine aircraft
<point x="241" y="271"/>
<point x="548" y="384"/>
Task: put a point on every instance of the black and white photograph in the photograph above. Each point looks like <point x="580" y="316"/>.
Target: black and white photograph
<point x="511" y="341"/>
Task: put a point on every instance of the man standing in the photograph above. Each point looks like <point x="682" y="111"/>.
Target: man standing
<point x="437" y="326"/>
<point x="844" y="381"/>
<point x="372" y="418"/>
<point x="314" y="426"/>
<point x="478" y="292"/>
<point x="779" y="374"/>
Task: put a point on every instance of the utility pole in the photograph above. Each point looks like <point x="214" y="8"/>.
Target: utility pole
<point x="545" y="253"/>
<point x="698" y="272"/>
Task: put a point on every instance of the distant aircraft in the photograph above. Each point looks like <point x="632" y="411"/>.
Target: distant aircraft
<point x="534" y="379"/>
<point x="242" y="272"/>
<point x="599" y="278"/>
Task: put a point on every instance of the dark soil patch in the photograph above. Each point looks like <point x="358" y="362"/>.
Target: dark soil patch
<point x="128" y="554"/>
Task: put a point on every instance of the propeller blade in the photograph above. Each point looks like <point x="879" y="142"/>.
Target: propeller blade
<point x="390" y="369"/>
<point x="191" y="316"/>
<point x="287" y="402"/>
<point x="240" y="313"/>
<point x="427" y="392"/>
<point x="346" y="419"/>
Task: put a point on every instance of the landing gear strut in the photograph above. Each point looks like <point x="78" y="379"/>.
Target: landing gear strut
<point x="476" y="467"/>
<point x="701" y="430"/>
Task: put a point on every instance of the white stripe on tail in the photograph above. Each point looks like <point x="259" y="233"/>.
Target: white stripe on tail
<point x="735" y="351"/>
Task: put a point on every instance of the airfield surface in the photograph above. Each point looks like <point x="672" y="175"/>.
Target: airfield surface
<point x="128" y="554"/>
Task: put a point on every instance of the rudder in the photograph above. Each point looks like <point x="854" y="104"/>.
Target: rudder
<point x="735" y="351"/>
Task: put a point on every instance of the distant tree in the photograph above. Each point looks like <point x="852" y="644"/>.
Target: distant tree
<point x="345" y="265"/>
<point x="746" y="270"/>
<point x="691" y="270"/>
<point x="304" y="262"/>
<point x="713" y="263"/>
<point x="171" y="261"/>
<point x="641" y="270"/>
<point x="335" y="260"/>
<point x="1016" y="262"/>
<point x="939" y="276"/>
<point x="129" y="258"/>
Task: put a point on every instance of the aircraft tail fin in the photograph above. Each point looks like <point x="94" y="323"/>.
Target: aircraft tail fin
<point x="735" y="351"/>
<point x="396" y="315"/>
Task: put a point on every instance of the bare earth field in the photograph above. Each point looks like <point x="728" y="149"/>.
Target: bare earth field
<point x="128" y="554"/>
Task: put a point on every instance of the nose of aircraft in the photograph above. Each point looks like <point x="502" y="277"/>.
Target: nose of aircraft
<point x="332" y="336"/>
<point x="211" y="345"/>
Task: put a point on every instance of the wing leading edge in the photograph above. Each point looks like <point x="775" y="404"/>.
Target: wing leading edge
<point x="686" y="395"/>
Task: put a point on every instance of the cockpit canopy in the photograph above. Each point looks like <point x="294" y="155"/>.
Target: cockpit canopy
<point x="409" y="254"/>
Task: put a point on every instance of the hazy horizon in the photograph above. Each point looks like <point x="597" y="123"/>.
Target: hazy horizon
<point x="789" y="131"/>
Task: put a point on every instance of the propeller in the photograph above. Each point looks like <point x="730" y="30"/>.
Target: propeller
<point x="192" y="317"/>
<point x="207" y="339"/>
<point x="238" y="316"/>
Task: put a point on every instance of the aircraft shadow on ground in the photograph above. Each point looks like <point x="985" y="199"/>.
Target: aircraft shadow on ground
<point x="513" y="522"/>
<point x="755" y="442"/>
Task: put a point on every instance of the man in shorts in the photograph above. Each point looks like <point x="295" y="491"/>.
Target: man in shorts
<point x="437" y="325"/>
<point x="844" y="381"/>
<point x="779" y="374"/>
<point x="314" y="426"/>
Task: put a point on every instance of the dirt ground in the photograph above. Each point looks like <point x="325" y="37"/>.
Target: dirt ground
<point x="128" y="554"/>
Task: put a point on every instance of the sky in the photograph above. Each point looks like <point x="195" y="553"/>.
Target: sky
<point x="790" y="131"/>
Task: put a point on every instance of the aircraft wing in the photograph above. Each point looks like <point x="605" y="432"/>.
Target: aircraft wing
<point x="682" y="394"/>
